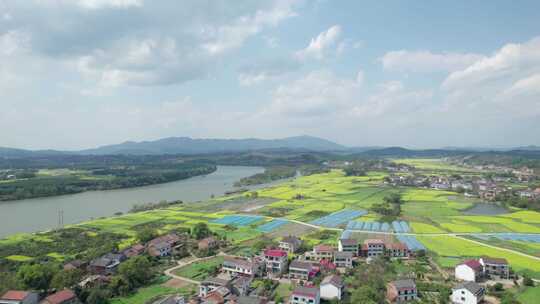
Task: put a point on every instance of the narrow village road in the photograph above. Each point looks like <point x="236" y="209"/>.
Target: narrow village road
<point x="458" y="235"/>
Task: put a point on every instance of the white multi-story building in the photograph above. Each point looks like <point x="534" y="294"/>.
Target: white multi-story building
<point x="468" y="293"/>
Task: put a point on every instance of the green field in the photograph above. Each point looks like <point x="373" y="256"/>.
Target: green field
<point x="457" y="247"/>
<point x="531" y="295"/>
<point x="146" y="294"/>
<point x="200" y="270"/>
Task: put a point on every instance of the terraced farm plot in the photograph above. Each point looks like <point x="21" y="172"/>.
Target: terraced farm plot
<point x="237" y="220"/>
<point x="457" y="247"/>
<point x="425" y="228"/>
<point x="432" y="164"/>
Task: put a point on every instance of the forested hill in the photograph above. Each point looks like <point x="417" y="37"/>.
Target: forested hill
<point x="186" y="145"/>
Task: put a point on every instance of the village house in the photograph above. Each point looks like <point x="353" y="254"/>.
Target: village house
<point x="65" y="296"/>
<point x="107" y="264"/>
<point x="134" y="250"/>
<point x="397" y="250"/>
<point x="94" y="280"/>
<point x="305" y="295"/>
<point x="301" y="270"/>
<point x="241" y="285"/>
<point x="172" y="299"/>
<point x="75" y="264"/>
<point x="468" y="293"/>
<point x="163" y="245"/>
<point x="332" y="287"/>
<point x="495" y="266"/>
<point x="348" y="245"/>
<point x="244" y="267"/>
<point x="220" y="295"/>
<point x="321" y="252"/>
<point x="276" y="261"/>
<point x="19" y="297"/>
<point x="212" y="284"/>
<point x="401" y="291"/>
<point x="343" y="259"/>
<point x="208" y="243"/>
<point x="250" y="300"/>
<point x="373" y="248"/>
<point x="291" y="244"/>
<point x="469" y="270"/>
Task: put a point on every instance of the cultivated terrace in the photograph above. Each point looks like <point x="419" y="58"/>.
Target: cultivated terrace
<point x="347" y="231"/>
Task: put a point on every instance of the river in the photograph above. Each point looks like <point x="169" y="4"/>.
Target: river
<point x="41" y="214"/>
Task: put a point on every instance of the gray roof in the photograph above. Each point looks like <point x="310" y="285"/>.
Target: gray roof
<point x="343" y="254"/>
<point x="408" y="283"/>
<point x="216" y="281"/>
<point x="301" y="265"/>
<point x="101" y="262"/>
<point x="334" y="280"/>
<point x="249" y="300"/>
<point x="473" y="287"/>
<point x="349" y="242"/>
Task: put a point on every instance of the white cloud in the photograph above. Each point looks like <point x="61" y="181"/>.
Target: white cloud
<point x="528" y="85"/>
<point x="97" y="4"/>
<point x="319" y="46"/>
<point x="426" y="61"/>
<point x="264" y="70"/>
<point x="510" y="61"/>
<point x="13" y="42"/>
<point x="233" y="35"/>
<point x="319" y="93"/>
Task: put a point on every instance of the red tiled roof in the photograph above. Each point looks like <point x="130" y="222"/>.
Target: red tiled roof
<point x="306" y="291"/>
<point x="275" y="252"/>
<point x="474" y="264"/>
<point x="323" y="247"/>
<point x="60" y="297"/>
<point x="373" y="241"/>
<point x="398" y="246"/>
<point x="15" y="295"/>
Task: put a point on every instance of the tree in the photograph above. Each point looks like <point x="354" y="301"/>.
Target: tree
<point x="66" y="278"/>
<point x="136" y="271"/>
<point x="98" y="296"/>
<point x="36" y="276"/>
<point x="365" y="294"/>
<point x="200" y="231"/>
<point x="119" y="286"/>
<point x="527" y="281"/>
<point x="146" y="234"/>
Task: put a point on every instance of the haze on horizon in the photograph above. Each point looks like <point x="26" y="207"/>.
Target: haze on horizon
<point x="78" y="74"/>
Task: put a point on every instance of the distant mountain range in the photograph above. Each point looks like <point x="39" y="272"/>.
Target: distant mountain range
<point x="187" y="145"/>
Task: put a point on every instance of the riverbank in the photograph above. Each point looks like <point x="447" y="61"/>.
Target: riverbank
<point x="42" y="214"/>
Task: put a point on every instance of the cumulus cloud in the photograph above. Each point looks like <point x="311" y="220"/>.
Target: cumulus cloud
<point x="427" y="61"/>
<point x="320" y="46"/>
<point x="319" y="93"/>
<point x="265" y="70"/>
<point x="139" y="43"/>
<point x="511" y="60"/>
<point x="96" y="4"/>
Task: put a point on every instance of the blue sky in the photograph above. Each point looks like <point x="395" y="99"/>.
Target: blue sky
<point x="83" y="73"/>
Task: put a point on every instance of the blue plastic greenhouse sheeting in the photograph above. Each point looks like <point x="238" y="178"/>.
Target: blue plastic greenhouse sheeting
<point x="337" y="218"/>
<point x="237" y="220"/>
<point x="411" y="242"/>
<point x="272" y="225"/>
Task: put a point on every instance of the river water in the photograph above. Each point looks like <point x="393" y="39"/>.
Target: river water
<point x="40" y="214"/>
